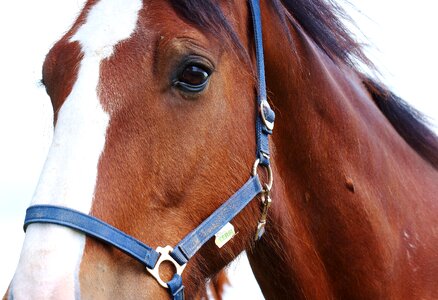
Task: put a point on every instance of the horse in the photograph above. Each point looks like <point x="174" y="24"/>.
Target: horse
<point x="154" y="116"/>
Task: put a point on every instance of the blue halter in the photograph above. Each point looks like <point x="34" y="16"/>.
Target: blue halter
<point x="189" y="245"/>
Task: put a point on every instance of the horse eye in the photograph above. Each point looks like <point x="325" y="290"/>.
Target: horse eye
<point x="193" y="78"/>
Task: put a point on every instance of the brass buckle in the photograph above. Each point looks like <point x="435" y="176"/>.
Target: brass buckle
<point x="165" y="256"/>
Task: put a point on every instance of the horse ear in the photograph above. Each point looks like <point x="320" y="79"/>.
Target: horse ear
<point x="411" y="124"/>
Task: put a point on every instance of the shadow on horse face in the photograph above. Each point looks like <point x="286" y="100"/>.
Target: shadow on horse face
<point x="171" y="110"/>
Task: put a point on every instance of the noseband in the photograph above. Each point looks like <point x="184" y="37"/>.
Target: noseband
<point x="189" y="245"/>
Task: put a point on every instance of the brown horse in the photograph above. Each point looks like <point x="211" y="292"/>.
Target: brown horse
<point x="354" y="211"/>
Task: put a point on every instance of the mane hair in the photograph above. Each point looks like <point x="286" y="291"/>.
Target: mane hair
<point x="209" y="18"/>
<point x="406" y="120"/>
<point x="324" y="22"/>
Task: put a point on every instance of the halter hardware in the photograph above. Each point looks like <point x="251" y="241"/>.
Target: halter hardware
<point x="266" y="202"/>
<point x="268" y="185"/>
<point x="192" y="242"/>
<point x="265" y="198"/>
<point x="264" y="110"/>
<point x="165" y="256"/>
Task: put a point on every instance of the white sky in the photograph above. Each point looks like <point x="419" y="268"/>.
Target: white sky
<point x="403" y="31"/>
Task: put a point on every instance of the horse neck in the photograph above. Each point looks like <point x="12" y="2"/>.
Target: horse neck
<point x="345" y="183"/>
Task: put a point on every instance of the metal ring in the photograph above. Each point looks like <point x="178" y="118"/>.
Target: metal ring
<point x="268" y="170"/>
<point x="165" y="256"/>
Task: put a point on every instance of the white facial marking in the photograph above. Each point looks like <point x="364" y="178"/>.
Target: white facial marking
<point x="51" y="254"/>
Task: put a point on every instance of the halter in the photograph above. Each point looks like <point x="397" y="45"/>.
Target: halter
<point x="189" y="245"/>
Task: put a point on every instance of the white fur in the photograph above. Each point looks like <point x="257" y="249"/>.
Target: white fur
<point x="51" y="254"/>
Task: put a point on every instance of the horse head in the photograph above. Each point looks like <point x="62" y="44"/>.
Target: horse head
<point x="154" y="109"/>
<point x="158" y="108"/>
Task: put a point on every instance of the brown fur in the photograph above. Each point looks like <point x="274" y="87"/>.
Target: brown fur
<point x="376" y="243"/>
<point x="354" y="206"/>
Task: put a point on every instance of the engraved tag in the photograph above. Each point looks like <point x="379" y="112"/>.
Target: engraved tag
<point x="224" y="235"/>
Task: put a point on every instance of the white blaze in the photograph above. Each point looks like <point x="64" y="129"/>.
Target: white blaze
<point x="51" y="254"/>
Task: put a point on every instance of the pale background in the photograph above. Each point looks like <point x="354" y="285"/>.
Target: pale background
<point x="404" y="34"/>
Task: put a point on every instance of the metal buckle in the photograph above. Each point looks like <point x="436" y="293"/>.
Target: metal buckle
<point x="165" y="256"/>
<point x="266" y="201"/>
<point x="268" y="124"/>
<point x="265" y="197"/>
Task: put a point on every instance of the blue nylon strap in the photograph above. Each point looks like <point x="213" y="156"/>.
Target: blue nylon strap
<point x="176" y="287"/>
<point x="225" y="213"/>
<point x="262" y="131"/>
<point x="133" y="247"/>
<point x="92" y="227"/>
<point x="257" y="25"/>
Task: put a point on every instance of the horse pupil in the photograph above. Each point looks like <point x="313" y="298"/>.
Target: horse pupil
<point x="193" y="75"/>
